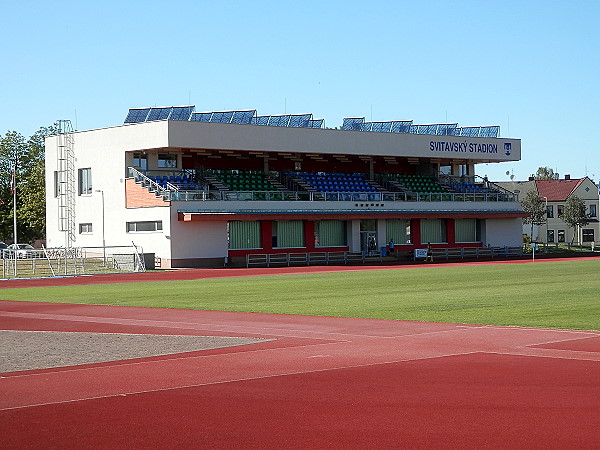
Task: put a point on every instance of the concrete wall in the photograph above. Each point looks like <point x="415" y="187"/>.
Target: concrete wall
<point x="502" y="232"/>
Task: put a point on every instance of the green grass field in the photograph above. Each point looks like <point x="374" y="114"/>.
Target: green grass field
<point x="549" y="294"/>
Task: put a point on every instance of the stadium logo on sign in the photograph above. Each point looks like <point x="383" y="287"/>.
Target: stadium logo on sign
<point x="507" y="148"/>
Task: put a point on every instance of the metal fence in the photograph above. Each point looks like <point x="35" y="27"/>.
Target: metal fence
<point x="60" y="261"/>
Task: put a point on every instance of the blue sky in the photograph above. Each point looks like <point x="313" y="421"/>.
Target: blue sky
<point x="531" y="67"/>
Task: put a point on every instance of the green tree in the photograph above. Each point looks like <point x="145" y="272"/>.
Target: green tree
<point x="575" y="214"/>
<point x="30" y="185"/>
<point x="544" y="173"/>
<point x="535" y="206"/>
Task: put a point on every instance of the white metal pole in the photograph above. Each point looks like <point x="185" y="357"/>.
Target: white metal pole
<point x="14" y="192"/>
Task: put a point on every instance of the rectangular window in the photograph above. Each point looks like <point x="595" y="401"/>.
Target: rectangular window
<point x="550" y="236"/>
<point x="244" y="235"/>
<point x="56" y="184"/>
<point x="433" y="231"/>
<point x="138" y="227"/>
<point x="85" y="181"/>
<point x="561" y="210"/>
<point x="288" y="234"/>
<point x="587" y="235"/>
<point x="85" y="228"/>
<point x="561" y="235"/>
<point x="465" y="230"/>
<point x="167" y="161"/>
<point x="140" y="161"/>
<point x="593" y="211"/>
<point x="398" y="231"/>
<point x="550" y="212"/>
<point x="330" y="233"/>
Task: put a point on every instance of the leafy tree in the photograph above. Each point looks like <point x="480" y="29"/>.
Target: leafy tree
<point x="544" y="173"/>
<point x="30" y="185"/>
<point x="575" y="214"/>
<point x="535" y="206"/>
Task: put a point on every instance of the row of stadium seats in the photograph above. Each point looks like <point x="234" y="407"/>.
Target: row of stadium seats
<point x="417" y="183"/>
<point x="181" y="182"/>
<point x="244" y="180"/>
<point x="334" y="182"/>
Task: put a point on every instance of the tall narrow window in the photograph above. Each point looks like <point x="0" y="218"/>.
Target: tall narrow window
<point x="85" y="181"/>
<point x="593" y="212"/>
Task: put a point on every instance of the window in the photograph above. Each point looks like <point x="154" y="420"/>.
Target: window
<point x="398" y="231"/>
<point x="137" y="227"/>
<point x="56" y="184"/>
<point x="85" y="181"/>
<point x="140" y="161"/>
<point x="433" y="231"/>
<point x="288" y="234"/>
<point x="593" y="212"/>
<point x="587" y="235"/>
<point x="550" y="212"/>
<point x="244" y="235"/>
<point x="85" y="228"/>
<point x="561" y="210"/>
<point x="330" y="233"/>
<point x="167" y="161"/>
<point x="550" y="236"/>
<point x="561" y="235"/>
<point x="465" y="230"/>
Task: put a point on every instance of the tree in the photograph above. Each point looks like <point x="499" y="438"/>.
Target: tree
<point x="30" y="185"/>
<point x="544" y="173"/>
<point x="575" y="214"/>
<point x="535" y="206"/>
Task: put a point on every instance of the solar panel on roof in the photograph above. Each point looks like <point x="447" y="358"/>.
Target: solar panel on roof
<point x="299" y="120"/>
<point x="413" y="129"/>
<point x="221" y="117"/>
<point x="201" y="116"/>
<point x="365" y="126"/>
<point x="401" y="126"/>
<point x="136" y="115"/>
<point x="181" y="112"/>
<point x="444" y="129"/>
<point x="260" y="120"/>
<point x="315" y="123"/>
<point x="243" y="117"/>
<point x="159" y="113"/>
<point x="492" y="131"/>
<point x="382" y="127"/>
<point x="279" y="121"/>
<point x="470" y="131"/>
<point x="352" y="123"/>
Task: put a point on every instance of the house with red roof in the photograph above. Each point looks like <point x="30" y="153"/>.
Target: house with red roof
<point x="556" y="193"/>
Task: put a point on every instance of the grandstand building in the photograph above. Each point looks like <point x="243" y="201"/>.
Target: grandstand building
<point x="208" y="188"/>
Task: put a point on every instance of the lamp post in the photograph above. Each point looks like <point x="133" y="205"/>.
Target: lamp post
<point x="103" y="235"/>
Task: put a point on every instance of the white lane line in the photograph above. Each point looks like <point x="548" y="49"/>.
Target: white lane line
<point x="237" y="380"/>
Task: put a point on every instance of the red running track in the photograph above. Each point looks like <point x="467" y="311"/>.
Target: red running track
<point x="323" y="383"/>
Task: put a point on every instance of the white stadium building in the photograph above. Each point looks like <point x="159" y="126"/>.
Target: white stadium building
<point x="204" y="189"/>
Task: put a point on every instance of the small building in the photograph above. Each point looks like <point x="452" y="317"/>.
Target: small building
<point x="205" y="188"/>
<point x="555" y="194"/>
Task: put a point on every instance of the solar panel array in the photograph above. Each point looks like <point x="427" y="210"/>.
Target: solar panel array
<point x="249" y="117"/>
<point x="137" y="115"/>
<point x="407" y="126"/>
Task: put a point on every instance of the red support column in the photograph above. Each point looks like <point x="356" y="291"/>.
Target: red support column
<point x="266" y="235"/>
<point x="309" y="235"/>
<point x="450" y="232"/>
<point x="415" y="231"/>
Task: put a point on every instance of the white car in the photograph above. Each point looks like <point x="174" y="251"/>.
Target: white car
<point x="21" y="251"/>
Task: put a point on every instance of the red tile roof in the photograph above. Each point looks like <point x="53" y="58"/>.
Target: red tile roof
<point x="557" y="190"/>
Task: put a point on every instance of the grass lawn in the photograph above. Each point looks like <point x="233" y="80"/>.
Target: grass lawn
<point x="550" y="294"/>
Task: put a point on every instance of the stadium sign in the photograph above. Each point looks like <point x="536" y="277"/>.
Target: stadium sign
<point x="466" y="147"/>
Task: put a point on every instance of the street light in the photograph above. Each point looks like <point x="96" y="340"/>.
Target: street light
<point x="103" y="235"/>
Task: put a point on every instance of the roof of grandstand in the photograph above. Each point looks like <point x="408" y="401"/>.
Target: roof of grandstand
<point x="249" y="117"/>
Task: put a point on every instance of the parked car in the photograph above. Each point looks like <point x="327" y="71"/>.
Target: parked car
<point x="3" y="247"/>
<point x="22" y="251"/>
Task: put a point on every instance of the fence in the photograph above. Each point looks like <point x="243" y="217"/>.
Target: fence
<point x="52" y="262"/>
